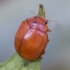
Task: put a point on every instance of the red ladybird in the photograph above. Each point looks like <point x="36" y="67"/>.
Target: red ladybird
<point x="31" y="37"/>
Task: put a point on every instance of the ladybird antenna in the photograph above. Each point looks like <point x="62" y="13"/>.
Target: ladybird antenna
<point x="52" y="20"/>
<point x="43" y="17"/>
<point x="34" y="13"/>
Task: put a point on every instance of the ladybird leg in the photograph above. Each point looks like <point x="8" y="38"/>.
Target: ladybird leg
<point x="43" y="52"/>
<point x="49" y="30"/>
<point x="41" y="57"/>
<point x="48" y="40"/>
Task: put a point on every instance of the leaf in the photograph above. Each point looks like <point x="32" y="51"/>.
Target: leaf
<point x="15" y="62"/>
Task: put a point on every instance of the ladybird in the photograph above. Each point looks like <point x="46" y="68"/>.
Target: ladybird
<point x="31" y="38"/>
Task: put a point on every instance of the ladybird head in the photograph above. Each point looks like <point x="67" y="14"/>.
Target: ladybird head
<point x="38" y="20"/>
<point x="42" y="20"/>
<point x="39" y="23"/>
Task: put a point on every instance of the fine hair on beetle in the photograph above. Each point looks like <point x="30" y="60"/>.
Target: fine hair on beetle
<point x="44" y="18"/>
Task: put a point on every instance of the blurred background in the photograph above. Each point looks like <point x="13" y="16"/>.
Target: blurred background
<point x="13" y="12"/>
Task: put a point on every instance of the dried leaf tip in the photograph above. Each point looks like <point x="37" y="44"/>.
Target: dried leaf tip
<point x="41" y="10"/>
<point x="41" y="6"/>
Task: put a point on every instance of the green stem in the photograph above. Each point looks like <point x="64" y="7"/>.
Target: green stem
<point x="15" y="62"/>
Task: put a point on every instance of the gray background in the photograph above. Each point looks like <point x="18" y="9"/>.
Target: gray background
<point x="13" y="12"/>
